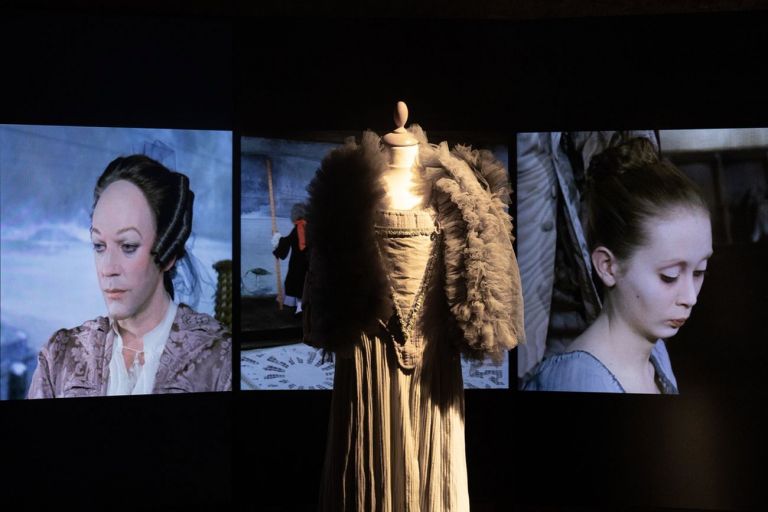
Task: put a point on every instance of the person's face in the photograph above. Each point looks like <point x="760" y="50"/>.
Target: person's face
<point x="123" y="233"/>
<point x="657" y="286"/>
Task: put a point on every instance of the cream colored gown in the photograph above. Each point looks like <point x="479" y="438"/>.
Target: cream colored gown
<point x="396" y="435"/>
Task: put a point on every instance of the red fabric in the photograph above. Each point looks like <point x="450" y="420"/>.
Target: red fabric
<point x="301" y="226"/>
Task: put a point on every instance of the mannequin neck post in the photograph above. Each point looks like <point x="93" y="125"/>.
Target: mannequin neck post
<point x="400" y="178"/>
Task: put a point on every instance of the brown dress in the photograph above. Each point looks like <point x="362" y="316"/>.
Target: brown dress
<point x="396" y="437"/>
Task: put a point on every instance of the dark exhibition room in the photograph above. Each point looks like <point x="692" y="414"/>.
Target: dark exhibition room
<point x="407" y="256"/>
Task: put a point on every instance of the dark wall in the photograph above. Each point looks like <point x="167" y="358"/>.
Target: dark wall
<point x="277" y="76"/>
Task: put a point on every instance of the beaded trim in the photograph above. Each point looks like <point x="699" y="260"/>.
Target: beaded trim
<point x="393" y="232"/>
<point x="405" y="324"/>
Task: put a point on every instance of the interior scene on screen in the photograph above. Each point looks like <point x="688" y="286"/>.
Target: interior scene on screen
<point x="115" y="261"/>
<point x="642" y="259"/>
<point x="275" y="174"/>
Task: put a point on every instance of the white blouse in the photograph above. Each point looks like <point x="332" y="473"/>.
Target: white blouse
<point x="140" y="378"/>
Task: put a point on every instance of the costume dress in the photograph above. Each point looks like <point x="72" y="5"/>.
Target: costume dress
<point x="410" y="292"/>
<point x="75" y="362"/>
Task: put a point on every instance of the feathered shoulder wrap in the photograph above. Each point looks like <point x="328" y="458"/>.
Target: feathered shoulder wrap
<point x="347" y="290"/>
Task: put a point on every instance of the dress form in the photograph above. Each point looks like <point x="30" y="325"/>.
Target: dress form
<point x="396" y="433"/>
<point x="400" y="178"/>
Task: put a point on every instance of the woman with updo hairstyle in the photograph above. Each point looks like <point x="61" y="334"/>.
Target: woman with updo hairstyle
<point x="141" y="219"/>
<point x="649" y="234"/>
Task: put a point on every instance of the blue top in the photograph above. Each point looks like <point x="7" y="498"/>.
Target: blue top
<point x="581" y="371"/>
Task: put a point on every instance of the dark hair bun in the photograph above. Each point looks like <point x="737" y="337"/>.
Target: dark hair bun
<point x="170" y="242"/>
<point x="627" y="185"/>
<point x="634" y="154"/>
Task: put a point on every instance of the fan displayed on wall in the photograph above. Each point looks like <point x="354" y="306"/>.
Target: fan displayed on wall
<point x="290" y="367"/>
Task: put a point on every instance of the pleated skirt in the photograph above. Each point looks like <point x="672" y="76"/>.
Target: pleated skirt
<point x="396" y="436"/>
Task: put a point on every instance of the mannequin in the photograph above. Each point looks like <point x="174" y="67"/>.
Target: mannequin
<point x="400" y="178"/>
<point x="411" y="265"/>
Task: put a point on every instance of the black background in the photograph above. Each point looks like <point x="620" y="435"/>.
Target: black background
<point x="281" y="74"/>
